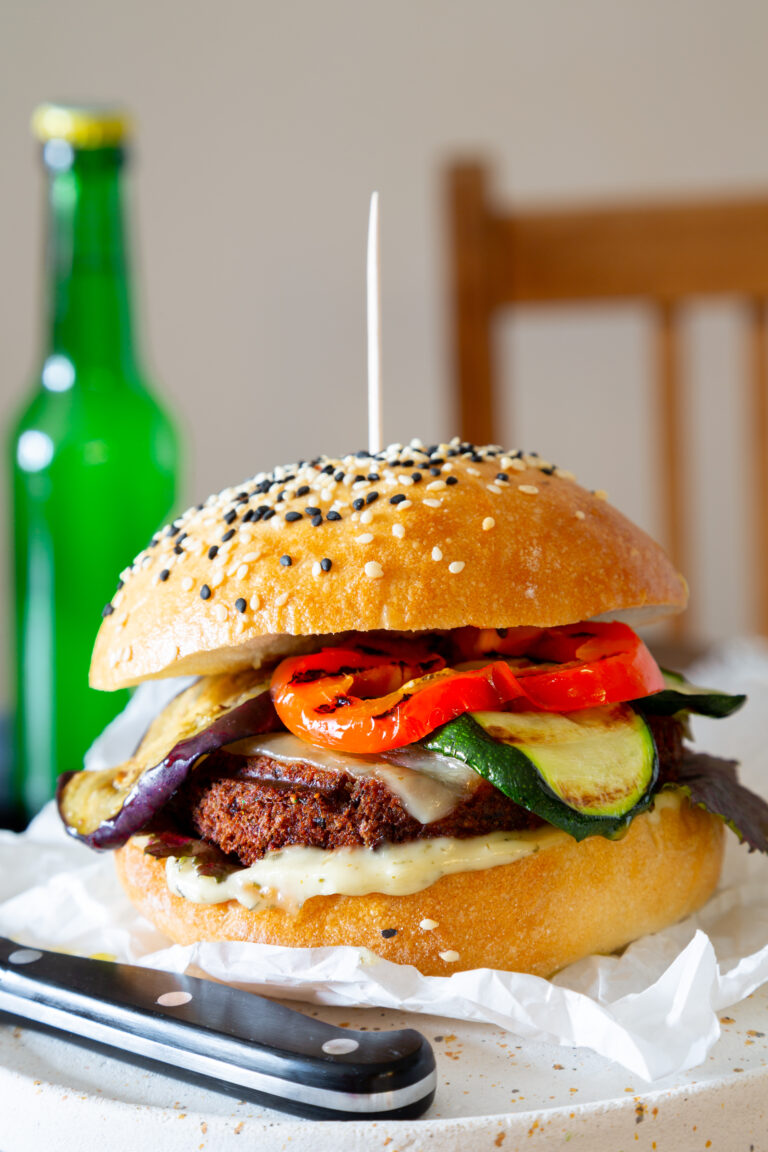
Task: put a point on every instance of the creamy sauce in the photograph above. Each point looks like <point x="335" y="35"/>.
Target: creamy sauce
<point x="290" y="876"/>
<point x="429" y="786"/>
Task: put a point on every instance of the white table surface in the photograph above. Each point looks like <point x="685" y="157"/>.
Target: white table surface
<point x="494" y="1091"/>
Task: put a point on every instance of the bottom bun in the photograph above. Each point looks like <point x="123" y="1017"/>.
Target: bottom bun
<point x="536" y="915"/>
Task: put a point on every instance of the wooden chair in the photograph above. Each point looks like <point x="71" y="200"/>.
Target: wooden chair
<point x="659" y="254"/>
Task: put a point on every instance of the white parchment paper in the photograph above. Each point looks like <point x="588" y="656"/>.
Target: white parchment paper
<point x="652" y="1010"/>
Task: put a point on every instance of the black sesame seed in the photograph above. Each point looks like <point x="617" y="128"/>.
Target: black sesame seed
<point x="292" y="516"/>
<point x="437" y="459"/>
<point x="406" y="463"/>
<point x="251" y="514"/>
<point x="287" y="479"/>
<point x="165" y="574"/>
<point x="416" y="476"/>
<point x="358" y="504"/>
<point x="434" y="471"/>
<point x="333" y="515"/>
<point x="285" y="561"/>
<point x="270" y="512"/>
<point x="174" y="529"/>
<point x="451" y="480"/>
<point x="107" y="610"/>
<point x="328" y="469"/>
<point x="397" y="498"/>
<point x="178" y="549"/>
<point x="212" y="551"/>
<point x="476" y="458"/>
<point x="262" y="508"/>
<point x="312" y="511"/>
<point x="373" y="477"/>
<point x="228" y="535"/>
<point x="263" y="486"/>
<point x="358" y="479"/>
<point x="363" y="454"/>
<point x="325" y="564"/>
<point x="454" y="452"/>
<point x="339" y="476"/>
<point x="432" y="449"/>
<point x="502" y="476"/>
<point x="242" y="497"/>
<point x="388" y="933"/>
<point x="230" y="516"/>
<point x="316" y="521"/>
<point x="205" y="592"/>
<point x="120" y="585"/>
<point x="547" y="471"/>
<point x="371" y="497"/>
<point x="240" y="605"/>
<point x="280" y="497"/>
<point x="303" y="490"/>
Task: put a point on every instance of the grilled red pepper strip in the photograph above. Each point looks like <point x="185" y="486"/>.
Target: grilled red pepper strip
<point x="369" y="700"/>
<point x="325" y="698"/>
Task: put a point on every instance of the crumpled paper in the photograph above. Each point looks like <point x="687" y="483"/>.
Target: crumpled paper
<point x="653" y="1009"/>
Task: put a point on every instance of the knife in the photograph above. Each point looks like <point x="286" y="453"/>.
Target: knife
<point x="223" y="1037"/>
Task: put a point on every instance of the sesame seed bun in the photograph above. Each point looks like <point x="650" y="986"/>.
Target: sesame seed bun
<point x="535" y="915"/>
<point x="409" y="540"/>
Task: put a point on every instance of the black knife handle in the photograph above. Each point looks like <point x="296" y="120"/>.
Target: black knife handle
<point x="236" y="1040"/>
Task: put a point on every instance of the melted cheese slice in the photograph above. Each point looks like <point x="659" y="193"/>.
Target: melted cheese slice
<point x="427" y="785"/>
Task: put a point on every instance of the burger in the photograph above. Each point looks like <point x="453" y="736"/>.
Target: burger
<point x="419" y="721"/>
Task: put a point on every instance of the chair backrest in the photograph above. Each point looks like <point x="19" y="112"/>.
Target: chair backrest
<point x="662" y="254"/>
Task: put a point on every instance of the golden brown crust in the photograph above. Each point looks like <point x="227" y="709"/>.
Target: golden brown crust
<point x="536" y="915"/>
<point x="533" y="549"/>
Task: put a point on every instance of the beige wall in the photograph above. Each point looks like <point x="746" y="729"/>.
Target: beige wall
<point x="264" y="127"/>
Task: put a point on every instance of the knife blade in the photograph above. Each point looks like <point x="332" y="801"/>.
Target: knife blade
<point x="231" y="1040"/>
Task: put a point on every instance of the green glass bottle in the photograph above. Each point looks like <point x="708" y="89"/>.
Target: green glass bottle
<point x="94" y="457"/>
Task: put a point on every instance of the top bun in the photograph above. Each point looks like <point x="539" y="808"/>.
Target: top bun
<point x="412" y="539"/>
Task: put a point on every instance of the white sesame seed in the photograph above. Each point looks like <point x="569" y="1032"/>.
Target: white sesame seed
<point x="249" y="556"/>
<point x="449" y="956"/>
<point x="405" y="480"/>
<point x="187" y="583"/>
<point x="398" y="530"/>
<point x="517" y="465"/>
<point x="403" y="505"/>
<point x="360" y="484"/>
<point x="316" y="569"/>
<point x="374" y="570"/>
<point x="242" y="572"/>
<point x="601" y="494"/>
<point x="473" y="471"/>
<point x="456" y="566"/>
<point x="364" y="538"/>
<point x="216" y="578"/>
<point x="430" y="503"/>
<point x="493" y="488"/>
<point x="281" y="599"/>
<point x="429" y="925"/>
<point x="528" y="489"/>
<point x="220" y="612"/>
<point x="488" y="523"/>
<point x="127" y="652"/>
<point x="366" y="516"/>
<point x="254" y="602"/>
<point x="436" y="553"/>
<point x="580" y="515"/>
<point x="448" y="466"/>
<point x="435" y="485"/>
<point x="564" y="474"/>
<point x="241" y="625"/>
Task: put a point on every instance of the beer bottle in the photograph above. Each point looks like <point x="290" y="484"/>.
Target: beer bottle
<point x="94" y="456"/>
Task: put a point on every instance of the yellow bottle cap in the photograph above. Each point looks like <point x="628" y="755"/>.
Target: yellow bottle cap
<point x="82" y="127"/>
